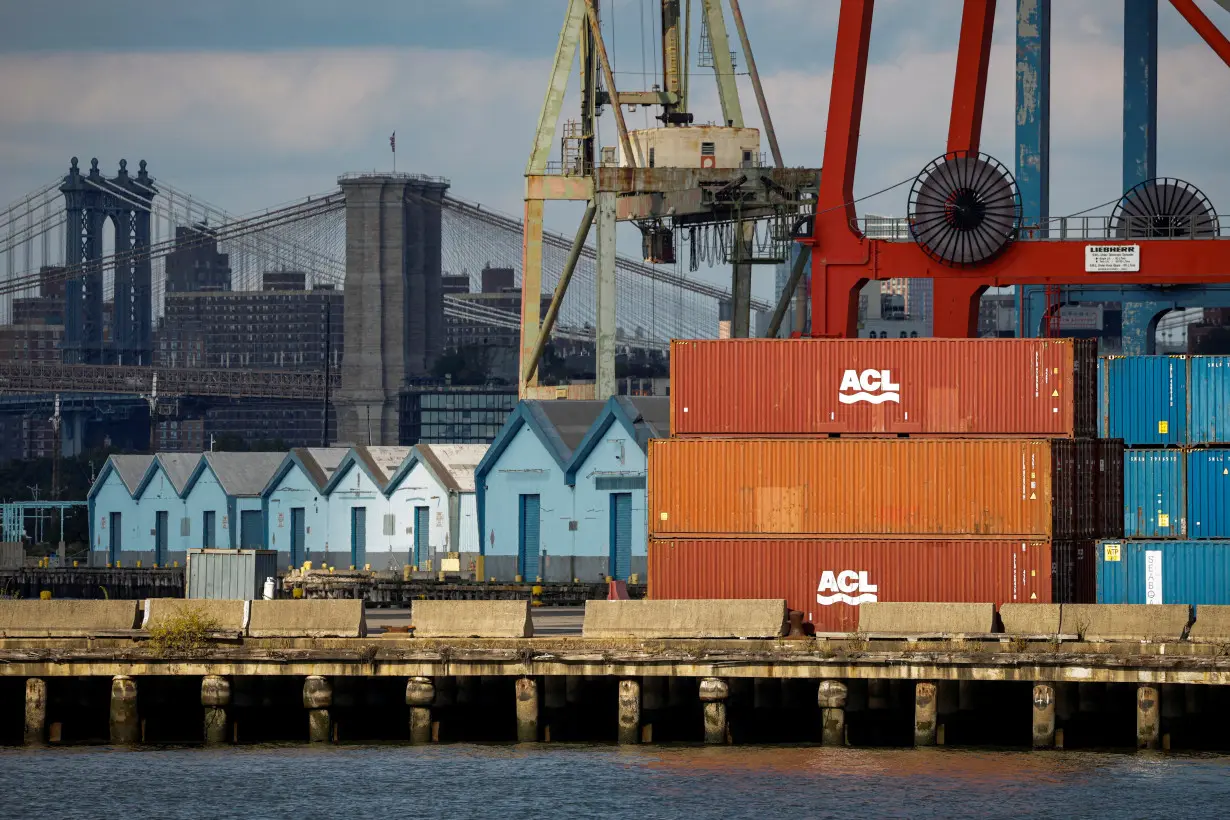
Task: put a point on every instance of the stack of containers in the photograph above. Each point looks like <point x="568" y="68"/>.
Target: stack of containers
<point x="1173" y="412"/>
<point x="833" y="472"/>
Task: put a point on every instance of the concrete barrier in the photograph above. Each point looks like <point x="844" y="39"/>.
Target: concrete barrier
<point x="1212" y="623"/>
<point x="1134" y="622"/>
<point x="926" y="618"/>
<point x="65" y="619"/>
<point x="1031" y="619"/>
<point x="308" y="619"/>
<point x="471" y="619"/>
<point x="229" y="615"/>
<point x="740" y="618"/>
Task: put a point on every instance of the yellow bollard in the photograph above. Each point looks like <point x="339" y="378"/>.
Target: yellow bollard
<point x="536" y="595"/>
<point x="118" y="565"/>
<point x="367" y="567"/>
<point x="74" y="564"/>
<point x="155" y="565"/>
<point x="352" y="567"/>
<point x="330" y="570"/>
<point x="45" y="595"/>
<point x="138" y="563"/>
<point x="406" y="571"/>
<point x="175" y="564"/>
<point x="296" y="593"/>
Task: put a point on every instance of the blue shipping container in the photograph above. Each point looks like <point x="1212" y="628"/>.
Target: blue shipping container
<point x="1163" y="572"/>
<point x="1154" y="502"/>
<point x="1209" y="389"/>
<point x="1208" y="493"/>
<point x="1143" y="399"/>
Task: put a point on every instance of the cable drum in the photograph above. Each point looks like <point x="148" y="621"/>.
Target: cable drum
<point x="1164" y="208"/>
<point x="964" y="209"/>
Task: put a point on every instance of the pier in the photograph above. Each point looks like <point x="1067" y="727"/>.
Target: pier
<point x="268" y="680"/>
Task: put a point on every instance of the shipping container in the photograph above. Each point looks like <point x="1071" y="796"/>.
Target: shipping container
<point x="868" y="488"/>
<point x="1073" y="572"/>
<point x="1108" y="491"/>
<point x="1208" y="493"/>
<point x="1155" y="504"/>
<point x="1144" y="399"/>
<point x="956" y="387"/>
<point x="1163" y="572"/>
<point x="1209" y="399"/>
<point x="828" y="580"/>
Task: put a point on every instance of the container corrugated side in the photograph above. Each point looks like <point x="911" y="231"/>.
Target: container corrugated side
<point x="958" y="387"/>
<point x="1144" y="399"/>
<point x="1163" y="572"/>
<point x="227" y="574"/>
<point x="1109" y="489"/>
<point x="1154" y="497"/>
<point x="1208" y="493"/>
<point x="862" y="488"/>
<point x="1208" y="400"/>
<point x="828" y="580"/>
<point x="1073" y="572"/>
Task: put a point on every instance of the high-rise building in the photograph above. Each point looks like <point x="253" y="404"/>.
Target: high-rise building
<point x="196" y="266"/>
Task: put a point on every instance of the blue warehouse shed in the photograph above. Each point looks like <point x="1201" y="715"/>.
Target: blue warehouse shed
<point x="561" y="491"/>
<point x="114" y="529"/>
<point x="295" y="505"/>
<point x="224" y="496"/>
<point x="161" y="510"/>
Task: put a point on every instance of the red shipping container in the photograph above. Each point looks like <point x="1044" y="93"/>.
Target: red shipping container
<point x="828" y="580"/>
<point x="951" y="387"/>
<point x="871" y="488"/>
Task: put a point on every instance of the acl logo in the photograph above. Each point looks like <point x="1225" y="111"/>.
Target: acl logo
<point x="874" y="386"/>
<point x="843" y="585"/>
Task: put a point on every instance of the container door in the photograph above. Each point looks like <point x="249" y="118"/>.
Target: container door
<point x="160" y="536"/>
<point x="528" y="541"/>
<point x="358" y="535"/>
<point x="115" y="538"/>
<point x="298" y="529"/>
<point x="209" y="538"/>
<point x="422" y="539"/>
<point x="621" y="536"/>
<point x="250" y="535"/>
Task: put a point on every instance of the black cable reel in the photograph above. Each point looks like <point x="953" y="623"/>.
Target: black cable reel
<point x="964" y="209"/>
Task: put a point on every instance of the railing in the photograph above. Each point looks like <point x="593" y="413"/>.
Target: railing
<point x="1079" y="228"/>
<point x="41" y="377"/>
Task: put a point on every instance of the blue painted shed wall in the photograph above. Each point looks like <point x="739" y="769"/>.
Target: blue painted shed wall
<point x="295" y="489"/>
<point x="1209" y="399"/>
<point x="616" y="455"/>
<point x="207" y="494"/>
<point x="1154" y="503"/>
<point x="160" y="495"/>
<point x="1192" y="572"/>
<point x="356" y="489"/>
<point x="1144" y="399"/>
<point x="1208" y="493"/>
<point x="419" y="488"/>
<point x="113" y="496"/>
<point x="525" y="467"/>
<point x="238" y="505"/>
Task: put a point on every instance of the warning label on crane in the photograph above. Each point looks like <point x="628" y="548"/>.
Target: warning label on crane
<point x="1112" y="258"/>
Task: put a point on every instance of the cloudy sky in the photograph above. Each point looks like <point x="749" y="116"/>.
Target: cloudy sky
<point x="248" y="103"/>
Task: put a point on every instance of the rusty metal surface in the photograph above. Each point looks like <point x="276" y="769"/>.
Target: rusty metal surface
<point x="866" y="488"/>
<point x="829" y="580"/>
<point x="951" y="387"/>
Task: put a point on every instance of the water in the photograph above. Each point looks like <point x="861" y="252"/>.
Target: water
<point x="463" y="781"/>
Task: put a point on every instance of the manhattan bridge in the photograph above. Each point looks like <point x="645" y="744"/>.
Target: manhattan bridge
<point x="106" y="239"/>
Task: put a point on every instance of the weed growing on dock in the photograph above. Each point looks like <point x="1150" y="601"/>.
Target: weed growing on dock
<point x="857" y="642"/>
<point x="184" y="633"/>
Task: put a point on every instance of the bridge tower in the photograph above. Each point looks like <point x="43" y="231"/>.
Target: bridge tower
<point x="394" y="324"/>
<point x="89" y="202"/>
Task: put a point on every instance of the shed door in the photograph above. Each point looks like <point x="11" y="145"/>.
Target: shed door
<point x="621" y="536"/>
<point x="250" y="536"/>
<point x="209" y="530"/>
<point x="422" y="535"/>
<point x="358" y="535"/>
<point x="115" y="539"/>
<point x="160" y="536"/>
<point x="298" y="531"/>
<point x="528" y="540"/>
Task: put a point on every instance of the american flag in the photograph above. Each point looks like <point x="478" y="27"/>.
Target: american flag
<point x="393" y="141"/>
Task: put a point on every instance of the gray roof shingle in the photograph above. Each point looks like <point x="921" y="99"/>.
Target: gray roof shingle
<point x="244" y="474"/>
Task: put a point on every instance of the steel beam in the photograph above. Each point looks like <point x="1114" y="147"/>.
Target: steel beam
<point x="1139" y="91"/>
<point x="604" y="61"/>
<point x="548" y="119"/>
<point x="761" y="102"/>
<point x="723" y="66"/>
<point x="788" y="292"/>
<point x="1033" y="113"/>
<point x="530" y="369"/>
<point x="1204" y="27"/>
<point x="605" y="298"/>
<point x="531" y="287"/>
<point x="970" y="86"/>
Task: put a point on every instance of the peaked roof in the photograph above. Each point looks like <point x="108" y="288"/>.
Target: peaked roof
<point x="644" y="417"/>
<point x="317" y="463"/>
<point x="560" y="424"/>
<point x="241" y="474"/>
<point x="379" y="463"/>
<point x="177" y="467"/>
<point x="130" y="468"/>
<point x="453" y="465"/>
